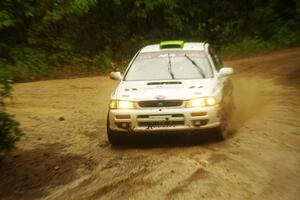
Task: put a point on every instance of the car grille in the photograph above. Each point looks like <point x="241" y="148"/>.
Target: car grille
<point x="160" y="103"/>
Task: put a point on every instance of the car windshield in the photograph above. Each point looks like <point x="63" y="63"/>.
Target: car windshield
<point x="172" y="65"/>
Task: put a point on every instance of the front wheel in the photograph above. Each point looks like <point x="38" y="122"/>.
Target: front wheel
<point x="222" y="131"/>
<point x="115" y="137"/>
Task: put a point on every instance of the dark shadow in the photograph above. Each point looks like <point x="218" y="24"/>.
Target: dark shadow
<point x="27" y="174"/>
<point x="167" y="140"/>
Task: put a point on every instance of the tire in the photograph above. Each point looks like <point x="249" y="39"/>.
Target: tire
<point x="222" y="131"/>
<point x="115" y="137"/>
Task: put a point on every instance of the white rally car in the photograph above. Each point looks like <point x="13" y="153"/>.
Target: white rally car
<point x="171" y="86"/>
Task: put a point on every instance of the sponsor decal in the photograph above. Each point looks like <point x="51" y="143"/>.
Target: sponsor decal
<point x="160" y="97"/>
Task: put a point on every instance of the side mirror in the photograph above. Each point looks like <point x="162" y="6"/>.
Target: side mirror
<point x="115" y="76"/>
<point x="225" y="71"/>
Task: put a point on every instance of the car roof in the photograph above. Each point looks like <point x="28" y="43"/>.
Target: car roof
<point x="194" y="46"/>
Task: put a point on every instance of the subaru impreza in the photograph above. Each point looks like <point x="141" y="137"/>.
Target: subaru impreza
<point x="171" y="86"/>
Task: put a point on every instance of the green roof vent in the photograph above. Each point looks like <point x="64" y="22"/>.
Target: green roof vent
<point x="171" y="44"/>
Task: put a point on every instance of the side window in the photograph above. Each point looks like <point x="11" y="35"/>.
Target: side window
<point x="217" y="62"/>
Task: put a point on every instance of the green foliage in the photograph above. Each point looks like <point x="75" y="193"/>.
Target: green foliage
<point x="246" y="47"/>
<point x="9" y="128"/>
<point x="40" y="38"/>
<point x="9" y="132"/>
<point x="285" y="36"/>
<point x="5" y="89"/>
<point x="6" y="20"/>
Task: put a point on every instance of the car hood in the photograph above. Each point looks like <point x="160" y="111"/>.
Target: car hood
<point x="164" y="89"/>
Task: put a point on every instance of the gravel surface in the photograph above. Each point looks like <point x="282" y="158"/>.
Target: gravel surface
<point x="65" y="153"/>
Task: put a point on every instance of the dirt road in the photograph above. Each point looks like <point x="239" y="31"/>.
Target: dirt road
<point x="65" y="153"/>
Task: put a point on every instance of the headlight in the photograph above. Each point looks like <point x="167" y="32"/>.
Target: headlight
<point x="199" y="102"/>
<point x="120" y="104"/>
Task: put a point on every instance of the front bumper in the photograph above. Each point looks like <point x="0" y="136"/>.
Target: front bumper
<point x="164" y="119"/>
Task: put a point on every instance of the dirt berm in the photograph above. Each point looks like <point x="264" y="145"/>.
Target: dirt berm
<point x="65" y="154"/>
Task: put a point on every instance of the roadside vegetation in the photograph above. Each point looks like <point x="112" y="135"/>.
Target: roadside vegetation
<point x="9" y="127"/>
<point x="49" y="39"/>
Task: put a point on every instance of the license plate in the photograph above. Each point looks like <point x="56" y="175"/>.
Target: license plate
<point x="160" y="124"/>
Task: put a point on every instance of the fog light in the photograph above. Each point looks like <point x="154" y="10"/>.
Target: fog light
<point x="123" y="125"/>
<point x="201" y="122"/>
<point x="197" y="123"/>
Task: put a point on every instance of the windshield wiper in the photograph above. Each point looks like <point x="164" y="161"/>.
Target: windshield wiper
<point x="170" y="67"/>
<point x="195" y="64"/>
